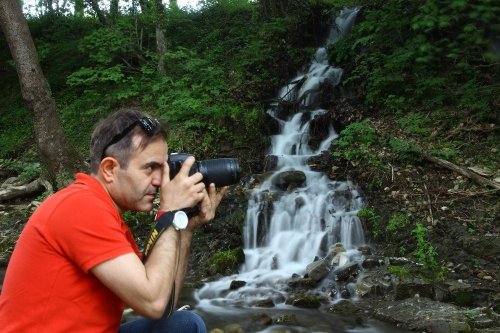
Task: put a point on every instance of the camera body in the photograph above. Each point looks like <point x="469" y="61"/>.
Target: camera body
<point x="221" y="171"/>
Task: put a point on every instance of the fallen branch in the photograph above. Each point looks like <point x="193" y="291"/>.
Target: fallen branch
<point x="13" y="192"/>
<point x="464" y="172"/>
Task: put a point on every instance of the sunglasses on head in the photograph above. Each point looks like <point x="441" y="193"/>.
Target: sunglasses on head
<point x="149" y="126"/>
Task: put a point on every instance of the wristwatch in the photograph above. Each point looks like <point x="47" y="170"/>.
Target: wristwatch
<point x="164" y="220"/>
<point x="177" y="218"/>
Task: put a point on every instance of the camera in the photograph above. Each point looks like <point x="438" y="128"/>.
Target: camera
<point x="221" y="171"/>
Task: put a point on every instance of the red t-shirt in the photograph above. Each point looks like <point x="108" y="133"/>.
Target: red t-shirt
<point x="48" y="286"/>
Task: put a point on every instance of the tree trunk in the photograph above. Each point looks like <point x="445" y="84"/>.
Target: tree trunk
<point x="173" y="5"/>
<point x="145" y="6"/>
<point x="95" y="7"/>
<point x="113" y="11"/>
<point x="161" y="45"/>
<point x="55" y="152"/>
<point x="79" y="8"/>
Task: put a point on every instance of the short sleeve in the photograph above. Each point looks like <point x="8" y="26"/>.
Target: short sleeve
<point x="88" y="231"/>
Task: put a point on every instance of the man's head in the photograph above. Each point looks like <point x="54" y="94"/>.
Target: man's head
<point x="128" y="155"/>
<point x="113" y="136"/>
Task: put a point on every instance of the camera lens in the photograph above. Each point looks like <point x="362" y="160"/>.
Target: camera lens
<point x="221" y="172"/>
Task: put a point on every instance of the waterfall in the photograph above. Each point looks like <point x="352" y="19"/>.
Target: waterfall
<point x="296" y="214"/>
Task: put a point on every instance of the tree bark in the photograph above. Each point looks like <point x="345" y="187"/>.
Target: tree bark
<point x="464" y="172"/>
<point x="113" y="10"/>
<point x="161" y="45"/>
<point x="55" y="152"/>
<point x="13" y="192"/>
<point x="95" y="7"/>
<point x="79" y="8"/>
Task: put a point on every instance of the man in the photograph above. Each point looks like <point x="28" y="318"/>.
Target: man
<point x="76" y="263"/>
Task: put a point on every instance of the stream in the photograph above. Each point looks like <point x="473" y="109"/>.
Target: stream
<point x="294" y="216"/>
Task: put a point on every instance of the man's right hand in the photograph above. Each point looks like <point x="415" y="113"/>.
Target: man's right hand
<point x="182" y="191"/>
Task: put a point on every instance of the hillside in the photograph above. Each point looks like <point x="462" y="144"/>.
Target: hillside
<point x="417" y="113"/>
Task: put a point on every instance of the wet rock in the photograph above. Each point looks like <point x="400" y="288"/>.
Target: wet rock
<point x="287" y="319"/>
<point x="341" y="200"/>
<point x="233" y="328"/>
<point x="289" y="180"/>
<point x="305" y="301"/>
<point x="301" y="282"/>
<point x="372" y="261"/>
<point x="236" y="284"/>
<point x="264" y="303"/>
<point x="344" y="292"/>
<point x="365" y="250"/>
<point x="318" y="270"/>
<point x="270" y="163"/>
<point x="262" y="319"/>
<point x="346" y="272"/>
<point x="345" y="308"/>
<point x="367" y="289"/>
<point x="216" y="330"/>
<point x="422" y="314"/>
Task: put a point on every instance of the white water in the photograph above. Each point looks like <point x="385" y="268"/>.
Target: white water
<point x="285" y="230"/>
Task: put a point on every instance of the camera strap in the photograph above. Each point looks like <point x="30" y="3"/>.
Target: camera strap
<point x="160" y="226"/>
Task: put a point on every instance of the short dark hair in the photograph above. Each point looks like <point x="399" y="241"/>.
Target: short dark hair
<point x="112" y="136"/>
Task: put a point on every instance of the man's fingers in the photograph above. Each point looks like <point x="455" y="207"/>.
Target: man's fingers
<point x="166" y="172"/>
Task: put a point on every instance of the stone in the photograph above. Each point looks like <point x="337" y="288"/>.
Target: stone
<point x="236" y="284"/>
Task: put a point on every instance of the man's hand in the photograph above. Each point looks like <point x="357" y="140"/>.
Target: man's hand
<point x="183" y="191"/>
<point x="208" y="205"/>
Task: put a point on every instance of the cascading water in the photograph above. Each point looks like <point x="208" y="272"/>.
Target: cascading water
<point x="296" y="214"/>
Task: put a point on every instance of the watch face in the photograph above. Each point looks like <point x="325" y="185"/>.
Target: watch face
<point x="180" y="220"/>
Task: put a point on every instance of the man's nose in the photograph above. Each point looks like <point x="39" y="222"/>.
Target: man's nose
<point x="157" y="178"/>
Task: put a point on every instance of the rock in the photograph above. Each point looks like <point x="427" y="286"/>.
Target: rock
<point x="409" y="287"/>
<point x="318" y="270"/>
<point x="287" y="319"/>
<point x="345" y="308"/>
<point x="236" y="284"/>
<point x="264" y="303"/>
<point x="216" y="330"/>
<point x="304" y="301"/>
<point x="365" y="250"/>
<point x="347" y="272"/>
<point x="422" y="314"/>
<point x="289" y="180"/>
<point x="233" y="328"/>
<point x="301" y="282"/>
<point x="372" y="261"/>
<point x="366" y="289"/>
<point x="270" y="163"/>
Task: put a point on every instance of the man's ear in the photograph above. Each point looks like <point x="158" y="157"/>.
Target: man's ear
<point x="108" y="168"/>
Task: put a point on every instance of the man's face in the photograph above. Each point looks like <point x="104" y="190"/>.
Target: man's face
<point x="136" y="187"/>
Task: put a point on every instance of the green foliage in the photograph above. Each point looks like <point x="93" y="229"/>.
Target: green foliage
<point x="397" y="222"/>
<point x="440" y="54"/>
<point x="225" y="260"/>
<point x="370" y="214"/>
<point x="445" y="151"/>
<point x="407" y="150"/>
<point x="139" y="223"/>
<point x="399" y="271"/>
<point x="355" y="141"/>
<point x="425" y="252"/>
<point x="15" y="128"/>
<point x="415" y="123"/>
